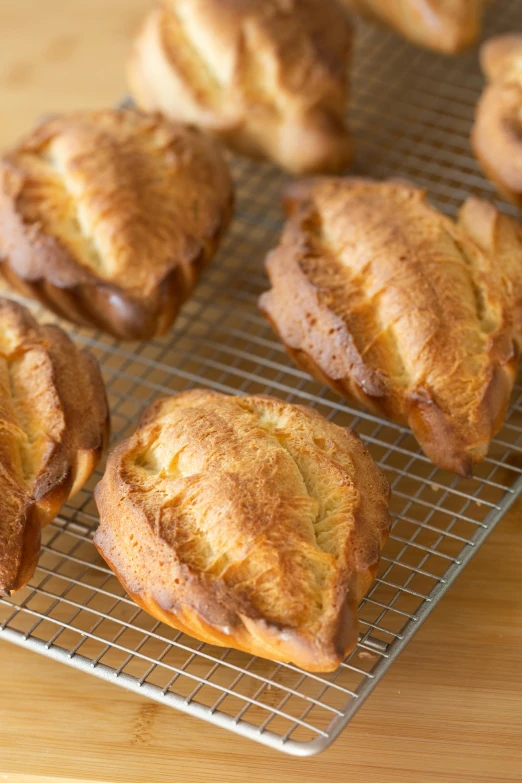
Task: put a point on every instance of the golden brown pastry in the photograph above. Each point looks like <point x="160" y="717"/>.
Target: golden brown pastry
<point x="497" y="134"/>
<point x="246" y="522"/>
<point x="448" y="26"/>
<point x="108" y="217"/>
<point x="54" y="424"/>
<point x="270" y="77"/>
<point x="382" y="297"/>
<point x="500" y="237"/>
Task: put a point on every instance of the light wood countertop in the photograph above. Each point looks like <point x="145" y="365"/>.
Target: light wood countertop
<point x="450" y="708"/>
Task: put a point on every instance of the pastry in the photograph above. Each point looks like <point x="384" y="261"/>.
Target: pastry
<point x="500" y="237"/>
<point x="497" y="134"/>
<point x="446" y="26"/>
<point x="246" y="522"/>
<point x="108" y="217"/>
<point x="388" y="301"/>
<point x="269" y="77"/>
<point x="54" y="425"/>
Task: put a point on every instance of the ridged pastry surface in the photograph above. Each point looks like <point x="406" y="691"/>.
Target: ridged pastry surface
<point x="497" y="134"/>
<point x="447" y="26"/>
<point x="270" y="77"/>
<point x="391" y="302"/>
<point x="246" y="522"/>
<point x="108" y="216"/>
<point x="54" y="424"/>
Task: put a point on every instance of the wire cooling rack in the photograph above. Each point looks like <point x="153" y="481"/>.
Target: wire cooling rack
<point x="411" y="115"/>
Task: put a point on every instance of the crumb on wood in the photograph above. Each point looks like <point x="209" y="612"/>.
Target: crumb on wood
<point x="367" y="656"/>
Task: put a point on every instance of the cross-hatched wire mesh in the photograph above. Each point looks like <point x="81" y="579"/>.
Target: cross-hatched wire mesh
<point x="411" y="115"/>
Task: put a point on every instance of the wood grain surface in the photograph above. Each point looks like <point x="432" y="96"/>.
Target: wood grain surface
<point x="450" y="709"/>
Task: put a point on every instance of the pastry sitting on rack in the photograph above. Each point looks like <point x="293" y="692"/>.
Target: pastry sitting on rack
<point x="108" y="217"/>
<point x="246" y="522"/>
<point x="497" y="133"/>
<point x="54" y="425"/>
<point x="269" y="77"/>
<point x="446" y="26"/>
<point x="388" y="301"/>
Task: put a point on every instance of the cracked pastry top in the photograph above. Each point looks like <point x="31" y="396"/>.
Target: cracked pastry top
<point x="388" y="301"/>
<point x="447" y="26"/>
<point x="497" y="134"/>
<point x="54" y="425"/>
<point x="246" y="522"/>
<point x="269" y="77"/>
<point x="108" y="217"/>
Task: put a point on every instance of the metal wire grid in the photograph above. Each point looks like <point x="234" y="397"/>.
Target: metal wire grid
<point x="411" y="115"/>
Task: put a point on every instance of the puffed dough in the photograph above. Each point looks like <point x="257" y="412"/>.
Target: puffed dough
<point x="269" y="77"/>
<point x="497" y="134"/>
<point x="246" y="522"/>
<point x="54" y="425"/>
<point x="447" y="26"/>
<point x="108" y="217"/>
<point x="390" y="302"/>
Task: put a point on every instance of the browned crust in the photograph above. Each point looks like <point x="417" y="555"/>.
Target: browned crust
<point x="427" y="23"/>
<point x="213" y="607"/>
<point x="321" y="342"/>
<point x="496" y="137"/>
<point x="37" y="263"/>
<point x="76" y="431"/>
<point x="270" y="79"/>
<point x="499" y="237"/>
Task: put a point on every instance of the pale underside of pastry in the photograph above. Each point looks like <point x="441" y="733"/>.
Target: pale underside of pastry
<point x="497" y="134"/>
<point x="108" y="217"/>
<point x="269" y="77"/>
<point x="393" y="304"/>
<point x="447" y="26"/>
<point x="54" y="424"/>
<point x="246" y="522"/>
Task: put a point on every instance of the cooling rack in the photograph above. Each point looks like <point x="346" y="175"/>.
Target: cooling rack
<point x="411" y="116"/>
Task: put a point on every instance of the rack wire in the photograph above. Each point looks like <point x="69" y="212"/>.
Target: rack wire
<point x="411" y="113"/>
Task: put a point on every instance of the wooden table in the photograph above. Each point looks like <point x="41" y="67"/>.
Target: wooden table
<point x="449" y="710"/>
